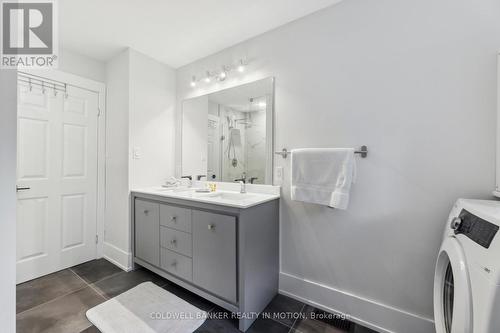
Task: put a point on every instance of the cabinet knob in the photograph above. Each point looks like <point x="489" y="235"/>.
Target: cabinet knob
<point x="174" y="219"/>
<point x="174" y="263"/>
<point x="146" y="212"/>
<point x="211" y="227"/>
<point x="173" y="241"/>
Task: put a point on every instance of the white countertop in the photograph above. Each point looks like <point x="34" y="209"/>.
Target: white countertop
<point x="224" y="196"/>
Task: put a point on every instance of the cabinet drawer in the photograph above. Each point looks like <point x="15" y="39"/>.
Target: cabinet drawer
<point x="177" y="241"/>
<point x="177" y="264"/>
<point x="214" y="253"/>
<point x="147" y="224"/>
<point x="175" y="218"/>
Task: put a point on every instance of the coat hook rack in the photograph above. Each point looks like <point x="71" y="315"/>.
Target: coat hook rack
<point x="363" y="151"/>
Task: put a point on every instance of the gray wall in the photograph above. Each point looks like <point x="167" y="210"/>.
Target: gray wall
<point x="151" y="121"/>
<point x="78" y="64"/>
<point x="8" y="116"/>
<point x="416" y="82"/>
<point x="140" y="117"/>
<point x="117" y="234"/>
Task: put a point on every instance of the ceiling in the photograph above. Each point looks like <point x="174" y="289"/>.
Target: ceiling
<point x="175" y="32"/>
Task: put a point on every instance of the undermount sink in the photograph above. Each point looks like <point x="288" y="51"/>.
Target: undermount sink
<point x="172" y="189"/>
<point x="233" y="196"/>
<point x="230" y="197"/>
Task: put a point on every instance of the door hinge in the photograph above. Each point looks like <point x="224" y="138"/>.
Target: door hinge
<point x="96" y="239"/>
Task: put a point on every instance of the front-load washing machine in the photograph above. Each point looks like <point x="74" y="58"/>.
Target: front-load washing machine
<point x="467" y="276"/>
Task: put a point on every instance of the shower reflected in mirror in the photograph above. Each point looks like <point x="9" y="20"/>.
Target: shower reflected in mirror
<point x="228" y="135"/>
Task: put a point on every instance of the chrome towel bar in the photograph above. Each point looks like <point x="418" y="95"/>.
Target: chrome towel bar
<point x="363" y="151"/>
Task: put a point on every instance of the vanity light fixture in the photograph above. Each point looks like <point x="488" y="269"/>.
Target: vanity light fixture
<point x="241" y="66"/>
<point x="222" y="74"/>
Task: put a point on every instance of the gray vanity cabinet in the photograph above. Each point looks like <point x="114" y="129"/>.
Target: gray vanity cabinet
<point x="228" y="255"/>
<point x="214" y="253"/>
<point x="147" y="224"/>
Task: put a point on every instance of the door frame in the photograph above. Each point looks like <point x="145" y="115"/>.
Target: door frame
<point x="100" y="89"/>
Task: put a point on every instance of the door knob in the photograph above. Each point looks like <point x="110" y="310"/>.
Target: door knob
<point x="211" y="227"/>
<point x="22" y="188"/>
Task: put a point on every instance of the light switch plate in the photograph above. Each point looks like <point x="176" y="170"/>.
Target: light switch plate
<point x="136" y="153"/>
<point x="278" y="175"/>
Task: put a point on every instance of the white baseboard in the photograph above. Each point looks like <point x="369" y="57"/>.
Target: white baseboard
<point x="371" y="314"/>
<point x="118" y="257"/>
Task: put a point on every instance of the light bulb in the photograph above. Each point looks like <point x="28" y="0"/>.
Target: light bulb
<point x="241" y="67"/>
<point x="262" y="104"/>
<point x="207" y="79"/>
<point x="193" y="81"/>
<point x="222" y="76"/>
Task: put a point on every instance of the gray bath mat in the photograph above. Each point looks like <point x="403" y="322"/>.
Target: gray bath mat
<point x="146" y="308"/>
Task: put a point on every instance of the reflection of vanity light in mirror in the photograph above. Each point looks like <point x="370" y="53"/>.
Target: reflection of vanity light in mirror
<point x="228" y="135"/>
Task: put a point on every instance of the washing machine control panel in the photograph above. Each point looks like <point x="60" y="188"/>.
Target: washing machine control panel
<point x="480" y="231"/>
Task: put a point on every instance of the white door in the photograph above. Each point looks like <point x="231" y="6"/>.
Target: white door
<point x="56" y="179"/>
<point x="213" y="149"/>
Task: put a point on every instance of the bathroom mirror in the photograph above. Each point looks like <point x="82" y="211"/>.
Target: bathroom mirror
<point x="228" y="135"/>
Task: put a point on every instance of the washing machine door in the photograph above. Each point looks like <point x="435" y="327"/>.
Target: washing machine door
<point x="452" y="292"/>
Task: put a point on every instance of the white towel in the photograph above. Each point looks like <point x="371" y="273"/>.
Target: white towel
<point x="323" y="175"/>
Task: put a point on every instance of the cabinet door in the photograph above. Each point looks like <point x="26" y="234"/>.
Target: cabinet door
<point x="147" y="231"/>
<point x="214" y="254"/>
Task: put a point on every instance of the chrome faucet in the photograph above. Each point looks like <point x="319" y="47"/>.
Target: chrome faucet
<point x="242" y="181"/>
<point x="243" y="187"/>
<point x="190" y="180"/>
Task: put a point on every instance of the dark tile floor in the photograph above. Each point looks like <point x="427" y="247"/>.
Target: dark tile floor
<point x="57" y="303"/>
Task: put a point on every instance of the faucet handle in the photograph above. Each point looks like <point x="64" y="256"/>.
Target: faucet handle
<point x="190" y="180"/>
